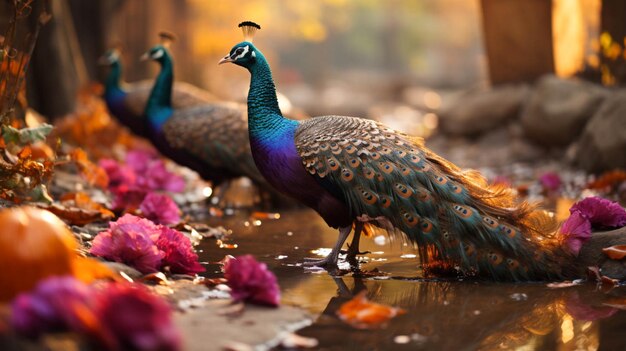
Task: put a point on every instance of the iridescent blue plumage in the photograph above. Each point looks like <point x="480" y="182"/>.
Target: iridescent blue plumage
<point x="356" y="172"/>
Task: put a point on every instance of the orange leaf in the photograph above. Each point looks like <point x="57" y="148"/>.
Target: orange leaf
<point x="94" y="174"/>
<point x="364" y="314"/>
<point x="77" y="216"/>
<point x="88" y="269"/>
<point x="616" y="252"/>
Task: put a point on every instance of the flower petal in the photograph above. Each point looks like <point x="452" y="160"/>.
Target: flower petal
<point x="602" y="213"/>
<point x="251" y="281"/>
<point x="575" y="231"/>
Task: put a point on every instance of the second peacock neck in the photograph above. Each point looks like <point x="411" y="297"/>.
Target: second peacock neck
<point x="159" y="105"/>
<point x="112" y="84"/>
<point x="265" y="120"/>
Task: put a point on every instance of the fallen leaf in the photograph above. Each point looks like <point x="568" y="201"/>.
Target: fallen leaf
<point x="295" y="341"/>
<point x="565" y="284"/>
<point x="364" y="314"/>
<point x="608" y="179"/>
<point x="617" y="252"/>
<point x="94" y="174"/>
<point x="75" y="215"/>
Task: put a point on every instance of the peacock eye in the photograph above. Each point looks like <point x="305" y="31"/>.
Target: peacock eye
<point x="239" y="51"/>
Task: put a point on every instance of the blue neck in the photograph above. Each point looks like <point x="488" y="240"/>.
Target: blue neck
<point x="159" y="105"/>
<point x="112" y="88"/>
<point x="265" y="121"/>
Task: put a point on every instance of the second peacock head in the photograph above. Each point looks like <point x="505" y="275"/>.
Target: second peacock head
<point x="160" y="51"/>
<point x="244" y="54"/>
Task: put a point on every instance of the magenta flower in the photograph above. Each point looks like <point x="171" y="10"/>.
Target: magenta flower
<point x="148" y="247"/>
<point x="135" y="319"/>
<point x="550" y="181"/>
<point x="575" y="231"/>
<point x="56" y="304"/>
<point x="178" y="253"/>
<point x="160" y="209"/>
<point x="592" y="212"/>
<point x="126" y="198"/>
<point x="119" y="175"/>
<point x="130" y="240"/>
<point x="157" y="177"/>
<point x="602" y="213"/>
<point x="140" y="159"/>
<point x="251" y="281"/>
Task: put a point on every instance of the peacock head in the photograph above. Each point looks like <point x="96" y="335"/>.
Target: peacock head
<point x="244" y="54"/>
<point x="160" y="52"/>
<point x="110" y="57"/>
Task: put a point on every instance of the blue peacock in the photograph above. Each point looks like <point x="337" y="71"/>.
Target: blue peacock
<point x="359" y="174"/>
<point x="211" y="139"/>
<point x="127" y="102"/>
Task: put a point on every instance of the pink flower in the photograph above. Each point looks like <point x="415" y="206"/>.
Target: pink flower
<point x="550" y="181"/>
<point x="135" y="319"/>
<point x="119" y="175"/>
<point x="157" y="177"/>
<point x="178" y="252"/>
<point x="139" y="160"/>
<point x="575" y="231"/>
<point x="130" y="240"/>
<point x="146" y="246"/>
<point x="251" y="281"/>
<point x="160" y="209"/>
<point x="56" y="304"/>
<point x="126" y="198"/>
<point x="602" y="213"/>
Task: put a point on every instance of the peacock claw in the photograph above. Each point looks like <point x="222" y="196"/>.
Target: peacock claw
<point x="326" y="262"/>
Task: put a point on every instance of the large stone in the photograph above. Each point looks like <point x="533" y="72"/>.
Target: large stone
<point x="558" y="110"/>
<point x="602" y="145"/>
<point x="483" y="109"/>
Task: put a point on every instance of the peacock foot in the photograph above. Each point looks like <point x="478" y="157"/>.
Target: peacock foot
<point x="326" y="262"/>
<point x="352" y="253"/>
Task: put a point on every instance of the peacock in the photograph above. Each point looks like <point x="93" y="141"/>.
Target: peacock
<point x="126" y="102"/>
<point x="211" y="139"/>
<point x="359" y="174"/>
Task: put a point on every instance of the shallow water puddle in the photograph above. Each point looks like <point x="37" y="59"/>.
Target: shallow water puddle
<point x="447" y="315"/>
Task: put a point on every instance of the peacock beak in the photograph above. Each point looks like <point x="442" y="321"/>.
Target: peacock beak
<point x="226" y="59"/>
<point x="104" y="60"/>
<point x="144" y="57"/>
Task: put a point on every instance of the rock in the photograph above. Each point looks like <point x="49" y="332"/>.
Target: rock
<point x="591" y="254"/>
<point x="602" y="145"/>
<point x="483" y="109"/>
<point x="558" y="110"/>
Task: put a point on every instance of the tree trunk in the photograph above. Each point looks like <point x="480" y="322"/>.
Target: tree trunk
<point x="518" y="39"/>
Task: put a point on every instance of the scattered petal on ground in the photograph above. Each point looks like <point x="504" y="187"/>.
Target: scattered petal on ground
<point x="251" y="281"/>
<point x="178" y="253"/>
<point x="135" y="319"/>
<point x="130" y="240"/>
<point x="56" y="304"/>
<point x="160" y="209"/>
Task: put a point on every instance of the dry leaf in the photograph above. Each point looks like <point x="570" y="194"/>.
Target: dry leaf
<point x="617" y="252"/>
<point x="94" y="174"/>
<point x="364" y="314"/>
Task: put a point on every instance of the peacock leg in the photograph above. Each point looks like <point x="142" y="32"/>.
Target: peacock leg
<point x="353" y="247"/>
<point x="333" y="256"/>
<point x="219" y="192"/>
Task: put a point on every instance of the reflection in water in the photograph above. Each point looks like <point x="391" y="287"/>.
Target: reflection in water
<point x="447" y="315"/>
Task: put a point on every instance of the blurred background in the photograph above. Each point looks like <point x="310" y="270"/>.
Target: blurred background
<point x="527" y="73"/>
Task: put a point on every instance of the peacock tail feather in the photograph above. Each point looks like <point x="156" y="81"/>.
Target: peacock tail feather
<point x="458" y="222"/>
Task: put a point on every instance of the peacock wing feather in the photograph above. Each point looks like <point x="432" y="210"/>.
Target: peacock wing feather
<point x="457" y="222"/>
<point x="216" y="134"/>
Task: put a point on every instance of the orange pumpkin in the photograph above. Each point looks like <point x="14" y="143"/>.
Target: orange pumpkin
<point x="34" y="244"/>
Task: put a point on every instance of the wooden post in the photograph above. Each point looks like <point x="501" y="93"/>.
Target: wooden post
<point x="518" y="39"/>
